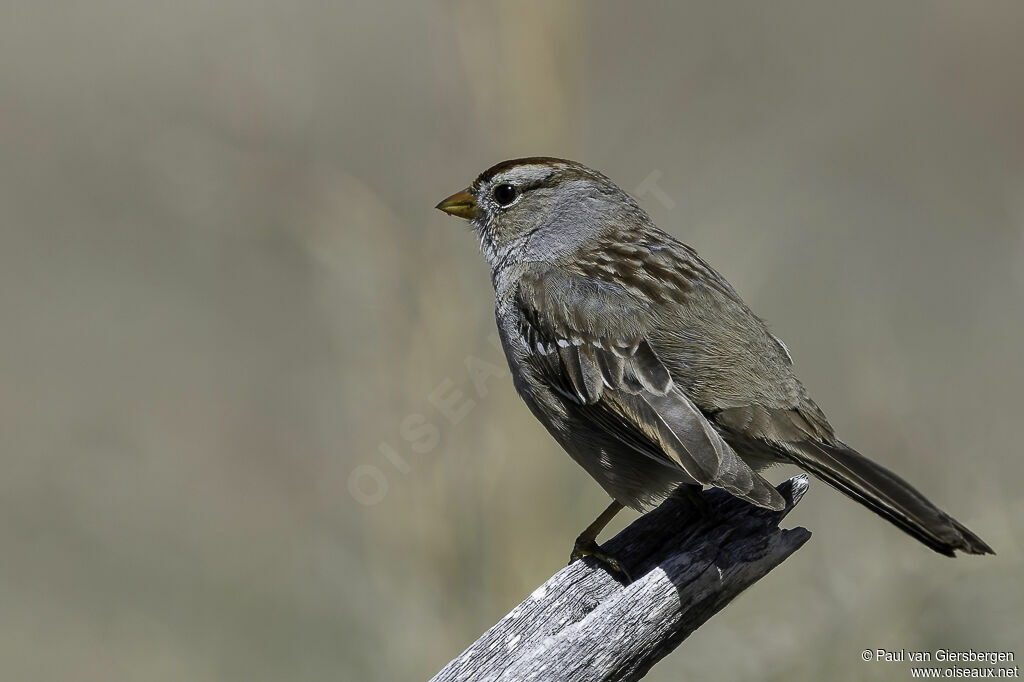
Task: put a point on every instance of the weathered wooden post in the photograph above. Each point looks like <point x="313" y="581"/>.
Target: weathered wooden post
<point x="583" y="624"/>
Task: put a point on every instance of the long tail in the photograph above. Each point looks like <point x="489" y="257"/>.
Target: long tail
<point x="886" y="494"/>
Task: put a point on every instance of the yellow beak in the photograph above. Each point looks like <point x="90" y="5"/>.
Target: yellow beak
<point x="461" y="205"/>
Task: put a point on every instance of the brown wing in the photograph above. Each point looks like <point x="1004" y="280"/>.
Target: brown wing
<point x="592" y="339"/>
<point x="722" y="355"/>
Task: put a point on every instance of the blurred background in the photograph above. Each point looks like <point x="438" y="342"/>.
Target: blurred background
<point x="253" y="423"/>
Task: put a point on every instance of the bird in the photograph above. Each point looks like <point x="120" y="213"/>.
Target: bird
<point x="646" y="365"/>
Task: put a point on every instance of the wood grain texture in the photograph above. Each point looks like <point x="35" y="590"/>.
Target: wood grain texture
<point x="584" y="624"/>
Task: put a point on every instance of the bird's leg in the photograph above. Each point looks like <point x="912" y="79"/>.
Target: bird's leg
<point x="586" y="543"/>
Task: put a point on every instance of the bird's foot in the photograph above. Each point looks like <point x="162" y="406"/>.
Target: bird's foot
<point x="585" y="547"/>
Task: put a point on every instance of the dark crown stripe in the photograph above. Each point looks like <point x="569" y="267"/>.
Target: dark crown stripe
<point x="497" y="168"/>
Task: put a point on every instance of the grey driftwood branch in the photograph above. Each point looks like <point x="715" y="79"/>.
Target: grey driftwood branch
<point x="584" y="624"/>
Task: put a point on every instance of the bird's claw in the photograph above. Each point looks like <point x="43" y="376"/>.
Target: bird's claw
<point x="589" y="548"/>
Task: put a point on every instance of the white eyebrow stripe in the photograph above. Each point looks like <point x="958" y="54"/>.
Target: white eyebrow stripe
<point x="521" y="175"/>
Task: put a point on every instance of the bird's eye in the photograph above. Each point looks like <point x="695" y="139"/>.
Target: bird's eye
<point x="505" y="194"/>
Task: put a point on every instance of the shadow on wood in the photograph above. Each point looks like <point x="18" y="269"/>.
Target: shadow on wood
<point x="584" y="624"/>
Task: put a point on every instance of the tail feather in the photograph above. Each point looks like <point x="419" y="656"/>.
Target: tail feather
<point x="886" y="494"/>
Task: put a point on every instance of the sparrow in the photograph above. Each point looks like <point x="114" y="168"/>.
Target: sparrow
<point x="645" y="364"/>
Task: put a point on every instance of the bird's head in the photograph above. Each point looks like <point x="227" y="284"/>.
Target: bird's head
<point x="540" y="208"/>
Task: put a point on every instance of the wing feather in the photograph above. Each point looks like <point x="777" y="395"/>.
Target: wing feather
<point x="622" y="387"/>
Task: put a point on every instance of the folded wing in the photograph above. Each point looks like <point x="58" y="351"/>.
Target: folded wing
<point x="591" y="336"/>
